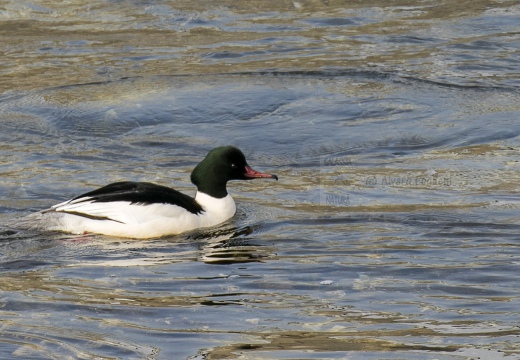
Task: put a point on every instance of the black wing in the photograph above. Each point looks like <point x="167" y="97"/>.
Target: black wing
<point x="142" y="193"/>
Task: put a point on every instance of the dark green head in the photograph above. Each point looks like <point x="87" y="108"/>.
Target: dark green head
<point x="221" y="165"/>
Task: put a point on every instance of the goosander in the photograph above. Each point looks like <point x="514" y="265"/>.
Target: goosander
<point x="145" y="210"/>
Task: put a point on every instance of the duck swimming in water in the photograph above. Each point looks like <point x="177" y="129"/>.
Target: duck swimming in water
<point x="145" y="210"/>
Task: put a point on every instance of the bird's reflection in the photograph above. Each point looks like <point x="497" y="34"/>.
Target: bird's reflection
<point x="225" y="244"/>
<point x="229" y="245"/>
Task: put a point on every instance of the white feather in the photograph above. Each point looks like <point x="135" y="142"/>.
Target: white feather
<point x="137" y="221"/>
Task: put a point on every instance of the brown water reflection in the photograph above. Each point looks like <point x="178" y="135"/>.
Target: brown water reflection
<point x="47" y="44"/>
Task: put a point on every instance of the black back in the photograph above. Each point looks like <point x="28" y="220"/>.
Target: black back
<point x="142" y="193"/>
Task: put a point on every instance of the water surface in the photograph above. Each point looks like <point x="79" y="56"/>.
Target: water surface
<point x="392" y="233"/>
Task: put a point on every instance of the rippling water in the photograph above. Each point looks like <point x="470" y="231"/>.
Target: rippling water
<point x="393" y="126"/>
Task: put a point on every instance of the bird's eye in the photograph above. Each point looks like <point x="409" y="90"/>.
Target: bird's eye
<point x="233" y="166"/>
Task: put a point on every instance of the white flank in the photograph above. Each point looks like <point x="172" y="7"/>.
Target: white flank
<point x="136" y="221"/>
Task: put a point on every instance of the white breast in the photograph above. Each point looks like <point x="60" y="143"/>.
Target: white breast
<point x="138" y="221"/>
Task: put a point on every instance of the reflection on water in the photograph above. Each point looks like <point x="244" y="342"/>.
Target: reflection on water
<point x="46" y="44"/>
<point x="392" y="233"/>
